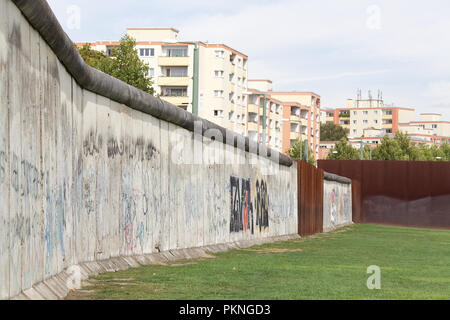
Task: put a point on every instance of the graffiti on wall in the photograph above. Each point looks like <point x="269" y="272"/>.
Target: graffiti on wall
<point x="262" y="206"/>
<point x="245" y="214"/>
<point x="339" y="202"/>
<point x="135" y="148"/>
<point x="241" y="206"/>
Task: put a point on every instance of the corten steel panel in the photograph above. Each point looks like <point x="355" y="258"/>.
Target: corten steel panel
<point x="310" y="206"/>
<point x="356" y="201"/>
<point x="419" y="195"/>
<point x="403" y="193"/>
<point x="440" y="193"/>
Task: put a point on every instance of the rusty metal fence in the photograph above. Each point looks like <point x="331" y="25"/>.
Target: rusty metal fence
<point x="406" y="193"/>
<point x="310" y="199"/>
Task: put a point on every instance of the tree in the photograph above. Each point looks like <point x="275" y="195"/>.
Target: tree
<point x="95" y="59"/>
<point x="331" y="132"/>
<point x="125" y="64"/>
<point x="343" y="151"/>
<point x="297" y="152"/>
<point x="389" y="149"/>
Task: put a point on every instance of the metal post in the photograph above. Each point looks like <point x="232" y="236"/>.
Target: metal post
<point x="361" y="155"/>
<point x="306" y="150"/>
<point x="195" y="81"/>
<point x="264" y="119"/>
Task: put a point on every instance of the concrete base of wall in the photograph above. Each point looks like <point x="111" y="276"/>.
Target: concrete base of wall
<point x="56" y="287"/>
<point x="325" y="230"/>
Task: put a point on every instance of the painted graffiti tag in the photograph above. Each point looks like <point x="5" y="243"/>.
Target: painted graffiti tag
<point x="241" y="206"/>
<point x="134" y="148"/>
<point x="3" y="163"/>
<point x="262" y="206"/>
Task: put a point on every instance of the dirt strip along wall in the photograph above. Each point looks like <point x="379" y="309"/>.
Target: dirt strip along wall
<point x="84" y="178"/>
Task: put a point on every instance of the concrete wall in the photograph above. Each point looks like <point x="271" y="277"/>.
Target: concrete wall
<point x="84" y="177"/>
<point x="337" y="202"/>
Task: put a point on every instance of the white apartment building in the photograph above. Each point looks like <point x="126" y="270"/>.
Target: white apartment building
<point x="206" y="79"/>
<point x="361" y="115"/>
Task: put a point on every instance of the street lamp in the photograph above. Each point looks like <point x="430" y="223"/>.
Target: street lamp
<point x="361" y="155"/>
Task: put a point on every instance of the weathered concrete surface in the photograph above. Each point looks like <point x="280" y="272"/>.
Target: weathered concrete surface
<point x="337" y="202"/>
<point x="94" y="172"/>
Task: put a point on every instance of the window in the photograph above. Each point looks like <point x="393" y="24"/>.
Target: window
<point x="175" y="72"/>
<point x="387" y="112"/>
<point x="218" y="93"/>
<point x="375" y="112"/>
<point x="354" y="131"/>
<point x="218" y="74"/>
<point x="219" y="53"/>
<point x="365" y="121"/>
<point x="147" y="52"/>
<point x="376" y="121"/>
<point x="434" y="126"/>
<point x="218" y="113"/>
<point x="174" y="92"/>
<point x="177" y="52"/>
<point x="365" y="112"/>
<point x="355" y="122"/>
<point x="151" y="72"/>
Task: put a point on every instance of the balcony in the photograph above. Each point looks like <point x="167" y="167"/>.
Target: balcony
<point x="177" y="100"/>
<point x="173" y="81"/>
<point x="253" y="108"/>
<point x="252" y="126"/>
<point x="174" y="61"/>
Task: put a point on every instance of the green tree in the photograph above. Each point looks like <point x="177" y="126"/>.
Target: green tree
<point x="389" y="149"/>
<point x="297" y="152"/>
<point x="331" y="132"/>
<point x="445" y="149"/>
<point x="343" y="151"/>
<point x="125" y="64"/>
<point x="94" y="58"/>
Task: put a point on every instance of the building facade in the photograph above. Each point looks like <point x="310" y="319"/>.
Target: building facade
<point x="361" y="115"/>
<point x="280" y="119"/>
<point x="206" y="79"/>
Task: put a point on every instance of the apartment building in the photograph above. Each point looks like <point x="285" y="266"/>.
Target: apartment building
<point x="264" y="119"/>
<point x="361" y="115"/>
<point x="429" y="129"/>
<point x="206" y="79"/>
<point x="303" y="112"/>
<point x="282" y="118"/>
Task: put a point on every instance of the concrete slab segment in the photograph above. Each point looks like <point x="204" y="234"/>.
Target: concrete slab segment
<point x="32" y="294"/>
<point x="45" y="291"/>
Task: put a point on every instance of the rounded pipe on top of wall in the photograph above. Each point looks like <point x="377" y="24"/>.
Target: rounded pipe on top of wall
<point x="334" y="177"/>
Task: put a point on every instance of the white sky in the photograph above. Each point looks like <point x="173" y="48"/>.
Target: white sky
<point x="329" y="47"/>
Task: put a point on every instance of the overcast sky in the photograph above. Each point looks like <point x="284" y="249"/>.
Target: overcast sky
<point x="330" y="47"/>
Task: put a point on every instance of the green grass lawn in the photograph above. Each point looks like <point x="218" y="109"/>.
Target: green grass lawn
<point x="415" y="264"/>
